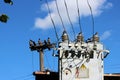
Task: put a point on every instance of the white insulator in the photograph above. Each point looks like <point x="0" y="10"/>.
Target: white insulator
<point x="70" y="45"/>
<point x="76" y="45"/>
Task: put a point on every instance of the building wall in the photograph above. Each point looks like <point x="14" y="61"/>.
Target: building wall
<point x="51" y="76"/>
<point x="111" y="77"/>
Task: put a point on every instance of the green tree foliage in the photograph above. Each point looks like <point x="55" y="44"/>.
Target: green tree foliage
<point x="3" y="17"/>
<point x="9" y="2"/>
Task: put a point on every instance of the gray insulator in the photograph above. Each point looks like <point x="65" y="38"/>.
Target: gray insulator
<point x="96" y="37"/>
<point x="80" y="37"/>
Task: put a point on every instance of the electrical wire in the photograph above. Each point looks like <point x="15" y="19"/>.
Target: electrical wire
<point x="32" y="62"/>
<point x="91" y="18"/>
<point x="59" y="15"/>
<point x="47" y="61"/>
<point x="23" y="77"/>
<point x="79" y="16"/>
<point x="113" y="65"/>
<point x="52" y="20"/>
<point x="53" y="60"/>
<point x="69" y="17"/>
<point x="29" y="78"/>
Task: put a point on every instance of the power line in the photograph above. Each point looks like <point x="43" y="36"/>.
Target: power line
<point x="32" y="62"/>
<point x="47" y="61"/>
<point x="53" y="59"/>
<point x="79" y="16"/>
<point x="69" y="17"/>
<point x="52" y="20"/>
<point x="91" y="17"/>
<point x="24" y="77"/>
<point x="60" y="15"/>
<point x="29" y="78"/>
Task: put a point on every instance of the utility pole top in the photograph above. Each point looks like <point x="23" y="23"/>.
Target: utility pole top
<point x="40" y="47"/>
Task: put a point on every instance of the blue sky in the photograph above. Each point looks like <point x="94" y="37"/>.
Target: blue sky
<point x="27" y="18"/>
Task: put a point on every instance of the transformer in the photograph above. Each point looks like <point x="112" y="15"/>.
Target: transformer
<point x="81" y="60"/>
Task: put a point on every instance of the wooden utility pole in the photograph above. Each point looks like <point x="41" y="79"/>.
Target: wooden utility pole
<point x="41" y="60"/>
<point x="40" y="47"/>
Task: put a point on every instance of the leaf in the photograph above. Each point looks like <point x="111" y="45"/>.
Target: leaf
<point x="9" y="2"/>
<point x="3" y="18"/>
